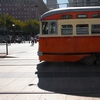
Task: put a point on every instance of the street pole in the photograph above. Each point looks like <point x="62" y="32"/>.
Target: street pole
<point x="6" y="48"/>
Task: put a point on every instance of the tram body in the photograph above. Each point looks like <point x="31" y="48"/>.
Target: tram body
<point x="70" y="34"/>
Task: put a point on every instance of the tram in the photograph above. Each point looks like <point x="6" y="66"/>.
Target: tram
<point x="70" y="34"/>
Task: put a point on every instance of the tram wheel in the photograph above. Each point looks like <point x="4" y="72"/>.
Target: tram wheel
<point x="89" y="60"/>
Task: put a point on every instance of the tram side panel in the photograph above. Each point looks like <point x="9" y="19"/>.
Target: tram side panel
<point x="59" y="49"/>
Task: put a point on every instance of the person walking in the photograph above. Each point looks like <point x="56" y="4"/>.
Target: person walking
<point x="32" y="41"/>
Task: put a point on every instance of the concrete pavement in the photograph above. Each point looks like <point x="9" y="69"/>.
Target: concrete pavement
<point x="22" y="50"/>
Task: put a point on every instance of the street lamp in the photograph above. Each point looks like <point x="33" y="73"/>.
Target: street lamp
<point x="13" y="25"/>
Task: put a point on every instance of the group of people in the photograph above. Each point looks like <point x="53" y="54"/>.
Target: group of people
<point x="13" y="39"/>
<point x="18" y="39"/>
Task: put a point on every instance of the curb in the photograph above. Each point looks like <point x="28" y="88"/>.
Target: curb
<point x="3" y="55"/>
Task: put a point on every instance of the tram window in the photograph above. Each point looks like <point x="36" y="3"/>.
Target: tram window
<point x="95" y="29"/>
<point x="95" y="15"/>
<point x="66" y="30"/>
<point x="44" y="27"/>
<point x="82" y="16"/>
<point x="53" y="27"/>
<point x="82" y="29"/>
<point x="66" y="16"/>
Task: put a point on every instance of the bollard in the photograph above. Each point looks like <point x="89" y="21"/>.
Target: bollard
<point x="6" y="48"/>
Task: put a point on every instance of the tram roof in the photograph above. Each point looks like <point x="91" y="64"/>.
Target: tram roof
<point x="70" y="9"/>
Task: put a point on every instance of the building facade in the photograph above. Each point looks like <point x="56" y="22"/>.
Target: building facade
<point x="76" y="3"/>
<point x="23" y="9"/>
<point x="52" y="4"/>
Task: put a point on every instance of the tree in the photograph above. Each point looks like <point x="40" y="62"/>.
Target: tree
<point x="7" y="21"/>
<point x="18" y="26"/>
<point x="29" y="26"/>
<point x="32" y="26"/>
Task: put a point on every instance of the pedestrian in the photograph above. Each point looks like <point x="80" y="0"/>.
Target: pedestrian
<point x="32" y="41"/>
<point x="35" y="39"/>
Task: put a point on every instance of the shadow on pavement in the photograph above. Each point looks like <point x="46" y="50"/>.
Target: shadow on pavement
<point x="2" y="55"/>
<point x="7" y="56"/>
<point x="69" y="78"/>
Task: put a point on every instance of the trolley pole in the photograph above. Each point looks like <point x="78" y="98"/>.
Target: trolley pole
<point x="6" y="48"/>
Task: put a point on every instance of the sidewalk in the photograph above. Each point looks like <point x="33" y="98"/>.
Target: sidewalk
<point x="22" y="50"/>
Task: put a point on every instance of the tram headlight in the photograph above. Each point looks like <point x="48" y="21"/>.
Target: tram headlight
<point x="40" y="53"/>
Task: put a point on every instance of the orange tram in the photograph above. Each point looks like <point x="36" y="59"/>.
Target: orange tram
<point x="70" y="34"/>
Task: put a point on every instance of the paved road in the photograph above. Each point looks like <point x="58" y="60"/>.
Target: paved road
<point x="23" y="77"/>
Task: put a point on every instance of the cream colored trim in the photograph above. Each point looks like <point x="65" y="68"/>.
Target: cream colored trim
<point x="40" y="28"/>
<point x="73" y="22"/>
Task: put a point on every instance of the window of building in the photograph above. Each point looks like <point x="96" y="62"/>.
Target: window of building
<point x="66" y="30"/>
<point x="66" y="16"/>
<point x="95" y="15"/>
<point x="33" y="9"/>
<point x="19" y="1"/>
<point x="82" y="16"/>
<point x="88" y="3"/>
<point x="82" y="29"/>
<point x="6" y="9"/>
<point x="95" y="29"/>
